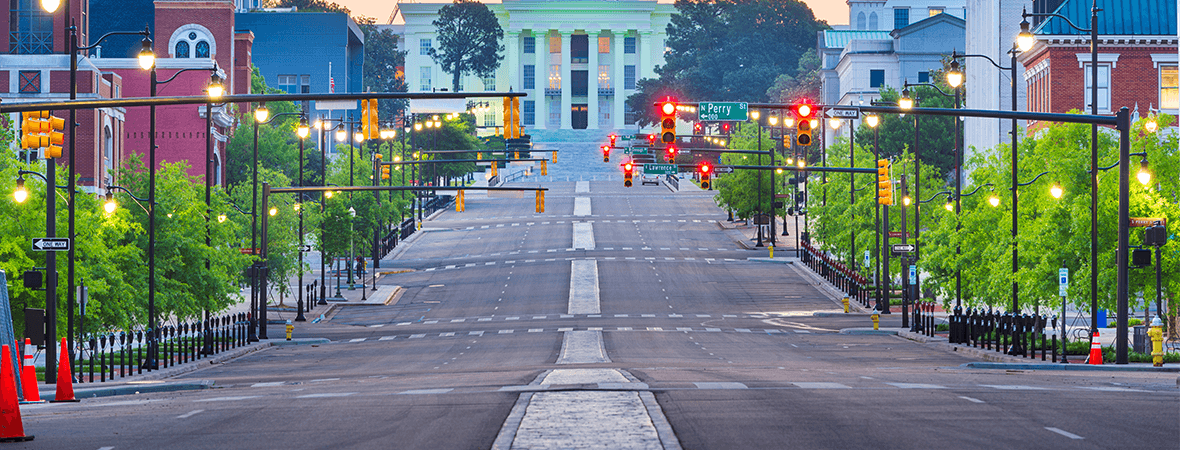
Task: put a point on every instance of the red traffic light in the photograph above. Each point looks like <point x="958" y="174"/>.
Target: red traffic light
<point x="804" y="110"/>
<point x="705" y="168"/>
<point x="671" y="150"/>
<point x="605" y="149"/>
<point x="627" y="167"/>
<point x="651" y="138"/>
<point x="668" y="108"/>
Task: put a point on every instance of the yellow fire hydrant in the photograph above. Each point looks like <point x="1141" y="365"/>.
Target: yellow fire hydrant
<point x="771" y="251"/>
<point x="876" y="321"/>
<point x="845" y="302"/>
<point x="290" y="328"/>
<point x="1157" y="342"/>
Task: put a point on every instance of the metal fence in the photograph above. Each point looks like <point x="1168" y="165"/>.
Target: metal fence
<point x="850" y="282"/>
<point x="120" y="354"/>
<point x="1011" y="334"/>
<point x="673" y="180"/>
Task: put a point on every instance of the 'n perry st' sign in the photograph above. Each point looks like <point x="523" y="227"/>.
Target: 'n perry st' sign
<point x="723" y="111"/>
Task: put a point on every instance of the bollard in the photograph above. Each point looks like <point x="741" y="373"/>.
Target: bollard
<point x="876" y="321"/>
<point x="1157" y="342"/>
<point x="845" y="302"/>
<point x="290" y="328"/>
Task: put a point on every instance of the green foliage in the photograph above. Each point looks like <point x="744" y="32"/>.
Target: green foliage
<point x="382" y="59"/>
<point x="728" y="50"/>
<point x="308" y="5"/>
<point x="278" y="145"/>
<point x="468" y="40"/>
<point x="739" y="191"/>
<point x="936" y="135"/>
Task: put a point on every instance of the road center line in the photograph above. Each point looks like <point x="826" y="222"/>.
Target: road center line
<point x="1064" y="433"/>
<point x="190" y="414"/>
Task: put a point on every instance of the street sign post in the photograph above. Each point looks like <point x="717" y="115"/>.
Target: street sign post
<point x="723" y="111"/>
<point x="51" y="244"/>
<point x="660" y="169"/>
<point x="844" y="113"/>
<point x="903" y="248"/>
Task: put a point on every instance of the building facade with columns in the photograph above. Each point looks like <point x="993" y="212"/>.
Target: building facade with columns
<point x="577" y="60"/>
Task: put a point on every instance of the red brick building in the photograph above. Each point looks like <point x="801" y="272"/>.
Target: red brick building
<point x="1137" y="59"/>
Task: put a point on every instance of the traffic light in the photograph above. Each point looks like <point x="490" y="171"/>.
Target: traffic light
<point x="786" y="141"/>
<point x="628" y="172"/>
<point x="612" y="139"/>
<point x="39" y="130"/>
<point x="671" y="154"/>
<point x="706" y="171"/>
<point x="511" y="118"/>
<point x="544" y="168"/>
<point x="884" y="185"/>
<point x="459" y="203"/>
<point x="384" y="172"/>
<point x="805" y="115"/>
<point x="725" y="128"/>
<point x="668" y="122"/>
<point x="605" y="154"/>
<point x="697" y="128"/>
<point x="651" y="139"/>
<point x="370" y="127"/>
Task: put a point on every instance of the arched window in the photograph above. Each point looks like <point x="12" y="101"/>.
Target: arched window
<point x="192" y="41"/>
<point x="860" y="21"/>
<point x="182" y="49"/>
<point x="873" y="21"/>
<point x="202" y="49"/>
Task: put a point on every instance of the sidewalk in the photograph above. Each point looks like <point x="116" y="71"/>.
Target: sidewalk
<point x="747" y="235"/>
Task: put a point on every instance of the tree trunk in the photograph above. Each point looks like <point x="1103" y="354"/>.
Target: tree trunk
<point x="455" y="81"/>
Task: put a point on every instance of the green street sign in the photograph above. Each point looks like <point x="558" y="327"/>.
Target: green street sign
<point x="660" y="169"/>
<point x="636" y="151"/>
<point x="626" y="138"/>
<point x="723" y="111"/>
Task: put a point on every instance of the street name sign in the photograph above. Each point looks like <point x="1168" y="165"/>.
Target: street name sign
<point x="1062" y="281"/>
<point x="723" y="169"/>
<point x="897" y="234"/>
<point x="1146" y="221"/>
<point x="637" y="151"/>
<point x="660" y="169"/>
<point x="51" y="244"/>
<point x="723" y="111"/>
<point x="844" y="113"/>
<point x="903" y="248"/>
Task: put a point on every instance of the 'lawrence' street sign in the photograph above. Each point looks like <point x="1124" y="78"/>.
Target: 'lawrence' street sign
<point x="723" y="111"/>
<point x="660" y="169"/>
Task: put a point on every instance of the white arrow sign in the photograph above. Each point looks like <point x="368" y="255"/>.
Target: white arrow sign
<point x="51" y="244"/>
<point x="844" y="113"/>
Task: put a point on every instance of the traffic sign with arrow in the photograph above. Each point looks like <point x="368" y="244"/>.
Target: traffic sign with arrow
<point x="903" y="248"/>
<point x="51" y="244"/>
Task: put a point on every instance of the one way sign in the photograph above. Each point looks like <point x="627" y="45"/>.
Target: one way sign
<point x="51" y="244"/>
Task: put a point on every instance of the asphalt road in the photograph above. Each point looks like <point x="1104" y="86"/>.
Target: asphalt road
<point x="479" y="344"/>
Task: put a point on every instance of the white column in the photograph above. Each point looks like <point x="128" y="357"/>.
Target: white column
<point x="619" y="60"/>
<point x="565" y="80"/>
<point x="644" y="56"/>
<point x="513" y="49"/>
<point x="592" y="82"/>
<point x="540" y="77"/>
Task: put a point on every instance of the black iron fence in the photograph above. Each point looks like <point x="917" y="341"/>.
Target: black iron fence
<point x="120" y="354"/>
<point x="673" y="180"/>
<point x="1011" y="334"/>
<point x="429" y="206"/>
<point x="857" y="287"/>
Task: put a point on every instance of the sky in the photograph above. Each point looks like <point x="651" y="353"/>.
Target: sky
<point x="833" y="11"/>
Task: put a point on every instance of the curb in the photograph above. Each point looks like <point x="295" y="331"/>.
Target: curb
<point x="990" y="356"/>
<point x="1081" y="367"/>
<point x="870" y="331"/>
<point x="142" y="388"/>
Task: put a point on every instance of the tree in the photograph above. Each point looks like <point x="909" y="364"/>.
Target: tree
<point x="895" y="134"/>
<point x="739" y="191"/>
<point x="308" y="5"/>
<point x="805" y="84"/>
<point x="468" y="40"/>
<point x="278" y="145"/>
<point x="731" y="50"/>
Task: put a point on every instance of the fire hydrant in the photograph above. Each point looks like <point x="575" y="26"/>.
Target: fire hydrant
<point x="845" y="302"/>
<point x="771" y="251"/>
<point x="290" y="328"/>
<point x="876" y="321"/>
<point x="1157" y="342"/>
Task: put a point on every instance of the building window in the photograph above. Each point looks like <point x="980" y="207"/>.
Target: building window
<point x="554" y="109"/>
<point x="873" y="21"/>
<point x="923" y="77"/>
<point x="604" y="44"/>
<point x="108" y="146"/>
<point x="529" y="112"/>
<point x="629" y="45"/>
<point x="305" y="84"/>
<point x="1169" y="88"/>
<point x="30" y="82"/>
<point x="604" y="76"/>
<point x="202" y="49"/>
<point x="555" y="44"/>
<point x="555" y="76"/>
<point x="901" y="18"/>
<point x="935" y="11"/>
<point x="191" y="41"/>
<point x="489" y="83"/>
<point x="579" y="82"/>
<point x="182" y="49"/>
<point x="876" y="78"/>
<point x="423" y="46"/>
<point x="287" y="84"/>
<point x="628" y="114"/>
<point x="1103" y="87"/>
<point x="530" y="44"/>
<point x="628" y="77"/>
<point x="32" y="30"/>
<point x="860" y="21"/>
<point x="424" y="83"/>
<point x="489" y="118"/>
<point x="579" y="49"/>
<point x="530" y="76"/>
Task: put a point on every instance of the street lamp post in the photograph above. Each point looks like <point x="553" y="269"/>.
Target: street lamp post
<point x="872" y="120"/>
<point x="260" y="271"/>
<point x="302" y="132"/>
<point x="1025" y="41"/>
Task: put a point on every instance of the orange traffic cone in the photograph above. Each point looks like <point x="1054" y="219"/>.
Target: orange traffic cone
<point x="11" y="427"/>
<point x="65" y="379"/>
<point x="28" y="376"/>
<point x="1095" y="350"/>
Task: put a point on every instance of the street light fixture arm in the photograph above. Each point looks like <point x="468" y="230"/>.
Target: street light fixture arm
<point x="178" y="72"/>
<point x="940" y="91"/>
<point x="244" y="213"/>
<point x="1025" y="15"/>
<point x="948" y="193"/>
<point x="988" y="58"/>
<point x="42" y="177"/>
<point x="138" y="201"/>
<point x="273" y="117"/>
<point x="145" y="33"/>
<point x="1034" y="180"/>
<point x="978" y="188"/>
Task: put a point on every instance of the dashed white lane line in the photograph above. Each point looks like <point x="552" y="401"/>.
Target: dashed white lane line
<point x="719" y="385"/>
<point x="426" y="391"/>
<point x="327" y="395"/>
<point x="584" y="292"/>
<point x="581" y="206"/>
<point x="188" y="414"/>
<point x="820" y="385"/>
<point x="1064" y="433"/>
<point x="916" y="386"/>
<point x="972" y="400"/>
<point x="356" y="340"/>
<point x="226" y="399"/>
<point x="583" y="236"/>
<point x="1012" y="387"/>
<point x="268" y="384"/>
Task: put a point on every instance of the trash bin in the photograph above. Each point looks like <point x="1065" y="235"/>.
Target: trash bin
<point x="1139" y="343"/>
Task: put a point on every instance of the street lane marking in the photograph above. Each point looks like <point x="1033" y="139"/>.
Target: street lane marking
<point x="536" y="330"/>
<point x="387" y="338"/>
<point x="268" y="384"/>
<point x="426" y="391"/>
<point x="1111" y="389"/>
<point x="449" y="334"/>
<point x="719" y="385"/>
<point x="357" y="340"/>
<point x="820" y="385"/>
<point x="327" y="395"/>
<point x="972" y="400"/>
<point x="583" y="236"/>
<point x="1012" y="387"/>
<point x="417" y="336"/>
<point x="1064" y="433"/>
<point x="916" y="386"/>
<point x="584" y="292"/>
<point x="581" y="206"/>
<point x="506" y="331"/>
<point x="324" y="379"/>
<point x="187" y="415"/>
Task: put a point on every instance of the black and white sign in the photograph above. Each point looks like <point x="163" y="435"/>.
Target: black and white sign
<point x="51" y="244"/>
<point x="723" y="169"/>
<point x="844" y="113"/>
<point x="305" y="248"/>
<point x="903" y="248"/>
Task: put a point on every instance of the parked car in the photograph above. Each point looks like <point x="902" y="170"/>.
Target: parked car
<point x="646" y="178"/>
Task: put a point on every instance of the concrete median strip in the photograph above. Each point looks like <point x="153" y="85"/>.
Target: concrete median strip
<point x="584" y="293"/>
<point x="583" y="236"/>
<point x="581" y="206"/>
